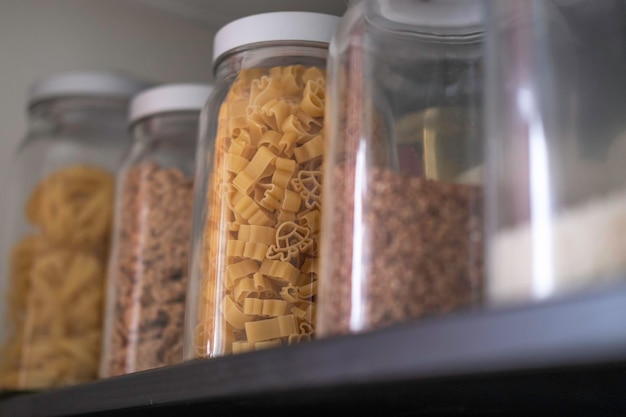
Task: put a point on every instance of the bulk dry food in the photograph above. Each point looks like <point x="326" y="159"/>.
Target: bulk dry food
<point x="56" y="282"/>
<point x="260" y="267"/>
<point x="422" y="253"/>
<point x="150" y="275"/>
<point x="586" y="245"/>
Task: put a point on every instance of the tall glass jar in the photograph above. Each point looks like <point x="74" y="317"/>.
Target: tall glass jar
<point x="256" y="224"/>
<point x="147" y="275"/>
<point x="402" y="209"/>
<point x="556" y="100"/>
<point x="57" y="225"/>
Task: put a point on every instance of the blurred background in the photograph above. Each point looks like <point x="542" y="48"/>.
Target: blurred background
<point x="162" y="40"/>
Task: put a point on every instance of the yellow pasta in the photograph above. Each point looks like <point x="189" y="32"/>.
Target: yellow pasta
<point x="271" y="140"/>
<point x="291" y="241"/>
<point x="239" y="270"/>
<point x="290" y="78"/>
<point x="247" y="179"/>
<point x="308" y="290"/>
<point x="293" y="124"/>
<point x="274" y="308"/>
<point x="308" y="184"/>
<point x="257" y="234"/>
<point x="311" y="220"/>
<point x="244" y="206"/>
<point x="241" y="147"/>
<point x="264" y="89"/>
<point x="290" y="293"/>
<point x="313" y="98"/>
<point x="285" y="216"/>
<point x="271" y="196"/>
<point x="233" y="313"/>
<point x="263" y="221"/>
<point x="73" y="206"/>
<point x="236" y="126"/>
<point x="310" y="150"/>
<point x="273" y="328"/>
<point x="313" y="74"/>
<point x="310" y="266"/>
<point x="253" y="306"/>
<point x="242" y="249"/>
<point x="298" y="338"/>
<point x="267" y="344"/>
<point x="262" y="284"/>
<point x="56" y="280"/>
<point x="291" y="201"/>
<point x="241" y="347"/>
<point x="235" y="163"/>
<point x="274" y="113"/>
<point x="287" y="143"/>
<point x="281" y="271"/>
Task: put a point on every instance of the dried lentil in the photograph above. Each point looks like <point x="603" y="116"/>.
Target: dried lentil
<point x="149" y="271"/>
<point x="421" y="254"/>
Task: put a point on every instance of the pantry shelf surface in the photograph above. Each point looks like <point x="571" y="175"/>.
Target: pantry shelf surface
<point x="565" y="355"/>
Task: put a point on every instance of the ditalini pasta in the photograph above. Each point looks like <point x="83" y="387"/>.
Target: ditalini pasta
<point x="56" y="282"/>
<point x="262" y="228"/>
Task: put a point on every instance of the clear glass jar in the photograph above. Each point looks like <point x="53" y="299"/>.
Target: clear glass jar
<point x="402" y="214"/>
<point x="57" y="225"/>
<point x="556" y="134"/>
<point x="256" y="224"/>
<point x="147" y="275"/>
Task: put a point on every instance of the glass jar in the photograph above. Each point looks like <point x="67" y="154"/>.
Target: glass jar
<point x="556" y="101"/>
<point x="57" y="223"/>
<point x="402" y="212"/>
<point x="254" y="263"/>
<point x="147" y="274"/>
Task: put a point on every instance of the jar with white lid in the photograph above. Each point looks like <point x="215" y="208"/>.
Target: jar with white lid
<point x="258" y="186"/>
<point x="402" y="212"/>
<point x="57" y="227"/>
<point x="147" y="275"/>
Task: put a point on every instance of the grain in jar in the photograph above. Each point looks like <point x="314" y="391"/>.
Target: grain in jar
<point x="147" y="275"/>
<point x="402" y="213"/>
<point x="257" y="224"/>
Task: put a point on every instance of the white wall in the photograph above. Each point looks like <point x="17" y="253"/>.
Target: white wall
<point x="38" y="37"/>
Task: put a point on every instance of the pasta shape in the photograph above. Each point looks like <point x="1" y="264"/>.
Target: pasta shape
<point x="313" y="98"/>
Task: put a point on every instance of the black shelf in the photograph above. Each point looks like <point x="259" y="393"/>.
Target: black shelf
<point x="565" y="356"/>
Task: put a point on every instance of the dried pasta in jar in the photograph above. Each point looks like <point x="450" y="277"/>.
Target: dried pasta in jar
<point x="254" y="266"/>
<point x="56" y="279"/>
<point x="57" y="215"/>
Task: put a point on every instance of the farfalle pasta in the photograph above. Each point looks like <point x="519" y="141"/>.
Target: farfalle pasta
<point x="260" y="240"/>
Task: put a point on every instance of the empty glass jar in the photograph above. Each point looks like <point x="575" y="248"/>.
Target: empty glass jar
<point x="147" y="276"/>
<point x="57" y="227"/>
<point x="556" y="148"/>
<point x="254" y="266"/>
<point x="402" y="211"/>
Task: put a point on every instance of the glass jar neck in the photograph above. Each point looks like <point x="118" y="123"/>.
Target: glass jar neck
<point x="270" y="54"/>
<point x="78" y="116"/>
<point x="176" y="126"/>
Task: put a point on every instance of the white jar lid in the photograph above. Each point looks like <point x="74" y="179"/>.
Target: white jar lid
<point x="435" y="13"/>
<point x="275" y="26"/>
<point x="87" y="83"/>
<point x="168" y="98"/>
